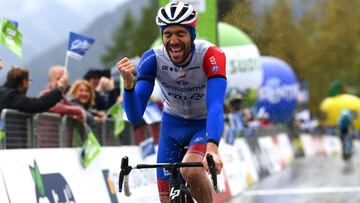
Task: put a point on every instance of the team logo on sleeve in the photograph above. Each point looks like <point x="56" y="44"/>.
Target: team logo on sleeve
<point x="215" y="68"/>
<point x="212" y="60"/>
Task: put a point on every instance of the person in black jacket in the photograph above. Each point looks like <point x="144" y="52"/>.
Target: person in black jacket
<point x="13" y="93"/>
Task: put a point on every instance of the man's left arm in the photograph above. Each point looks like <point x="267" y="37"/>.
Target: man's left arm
<point x="215" y="69"/>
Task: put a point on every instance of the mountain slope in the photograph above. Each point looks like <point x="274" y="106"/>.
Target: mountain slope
<point x="100" y="29"/>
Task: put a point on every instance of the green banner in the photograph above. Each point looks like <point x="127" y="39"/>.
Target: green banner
<point x="11" y="37"/>
<point x="117" y="112"/>
<point x="2" y="134"/>
<point x="91" y="147"/>
<point x="2" y="131"/>
<point x="207" y="27"/>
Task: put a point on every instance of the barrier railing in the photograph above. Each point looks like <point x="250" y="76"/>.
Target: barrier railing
<point x="18" y="129"/>
<point x="48" y="130"/>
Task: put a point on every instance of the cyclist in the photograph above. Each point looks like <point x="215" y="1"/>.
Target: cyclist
<point x="344" y="123"/>
<point x="192" y="76"/>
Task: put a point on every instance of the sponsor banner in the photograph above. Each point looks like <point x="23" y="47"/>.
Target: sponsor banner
<point x="286" y="147"/>
<point x="53" y="175"/>
<point x="356" y="147"/>
<point x="56" y="175"/>
<point x="244" y="70"/>
<point x="266" y="145"/>
<point x="280" y="157"/>
<point x="332" y="145"/>
<point x="313" y="144"/>
<point x="246" y="158"/>
<point x="307" y="145"/>
<point x="261" y="161"/>
<point x="3" y="193"/>
<point x="223" y="185"/>
<point x="233" y="168"/>
<point x="318" y="144"/>
<point x="283" y="149"/>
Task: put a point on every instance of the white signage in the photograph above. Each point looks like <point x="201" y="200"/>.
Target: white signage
<point x="3" y="193"/>
<point x="199" y="5"/>
<point x="243" y="68"/>
<point x="56" y="175"/>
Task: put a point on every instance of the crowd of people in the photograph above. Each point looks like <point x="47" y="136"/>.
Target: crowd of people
<point x="92" y="95"/>
<point x="87" y="99"/>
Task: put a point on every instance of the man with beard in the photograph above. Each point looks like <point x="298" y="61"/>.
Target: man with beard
<point x="192" y="76"/>
<point x="13" y="93"/>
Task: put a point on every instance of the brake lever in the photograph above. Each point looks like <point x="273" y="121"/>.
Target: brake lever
<point x="211" y="166"/>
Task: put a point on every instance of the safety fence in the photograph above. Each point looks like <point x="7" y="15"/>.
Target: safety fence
<point x="247" y="160"/>
<point x="49" y="130"/>
<point x="63" y="178"/>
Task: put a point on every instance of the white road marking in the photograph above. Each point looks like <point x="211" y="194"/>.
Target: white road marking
<point x="298" y="191"/>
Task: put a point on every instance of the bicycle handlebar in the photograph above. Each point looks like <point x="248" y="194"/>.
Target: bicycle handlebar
<point x="211" y="166"/>
<point x="124" y="174"/>
<point x="126" y="169"/>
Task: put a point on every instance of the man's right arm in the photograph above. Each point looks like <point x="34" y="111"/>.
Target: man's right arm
<point x="137" y="96"/>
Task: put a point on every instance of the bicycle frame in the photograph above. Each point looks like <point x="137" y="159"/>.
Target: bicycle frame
<point x="176" y="188"/>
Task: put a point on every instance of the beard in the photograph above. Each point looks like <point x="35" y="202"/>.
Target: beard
<point x="179" y="53"/>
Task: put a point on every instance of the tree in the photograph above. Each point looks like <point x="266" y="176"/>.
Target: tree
<point x="133" y="37"/>
<point x="146" y="31"/>
<point x="123" y="40"/>
<point x="320" y="46"/>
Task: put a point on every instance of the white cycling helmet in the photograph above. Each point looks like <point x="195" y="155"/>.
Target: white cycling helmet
<point x="177" y="13"/>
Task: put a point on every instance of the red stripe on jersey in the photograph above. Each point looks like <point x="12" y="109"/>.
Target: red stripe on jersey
<point x="197" y="149"/>
<point x="163" y="187"/>
<point x="214" y="62"/>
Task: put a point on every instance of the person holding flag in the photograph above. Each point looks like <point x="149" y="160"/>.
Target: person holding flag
<point x="192" y="77"/>
<point x="13" y="93"/>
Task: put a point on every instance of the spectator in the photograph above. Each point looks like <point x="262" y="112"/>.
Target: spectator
<point x="105" y="91"/>
<point x="82" y="94"/>
<point x="63" y="107"/>
<point x="13" y="93"/>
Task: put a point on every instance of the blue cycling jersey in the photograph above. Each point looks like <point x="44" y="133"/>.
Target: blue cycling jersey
<point x="194" y="91"/>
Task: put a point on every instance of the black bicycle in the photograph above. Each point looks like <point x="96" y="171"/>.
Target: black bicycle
<point x="179" y="192"/>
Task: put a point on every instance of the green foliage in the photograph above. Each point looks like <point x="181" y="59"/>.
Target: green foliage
<point x="322" y="46"/>
<point x="122" y="38"/>
<point x="133" y="37"/>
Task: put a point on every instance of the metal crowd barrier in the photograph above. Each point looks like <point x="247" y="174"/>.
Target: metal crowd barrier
<point x="18" y="129"/>
<point x="49" y="130"/>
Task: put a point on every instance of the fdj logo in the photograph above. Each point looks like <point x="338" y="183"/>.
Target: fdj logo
<point x="174" y="193"/>
<point x="51" y="187"/>
<point x="195" y="96"/>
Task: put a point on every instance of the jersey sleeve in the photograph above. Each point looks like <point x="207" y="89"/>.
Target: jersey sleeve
<point x="135" y="100"/>
<point x="214" y="62"/>
<point x="147" y="67"/>
<point x="215" y="105"/>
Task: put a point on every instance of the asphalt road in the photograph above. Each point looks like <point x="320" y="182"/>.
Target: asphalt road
<point x="308" y="180"/>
